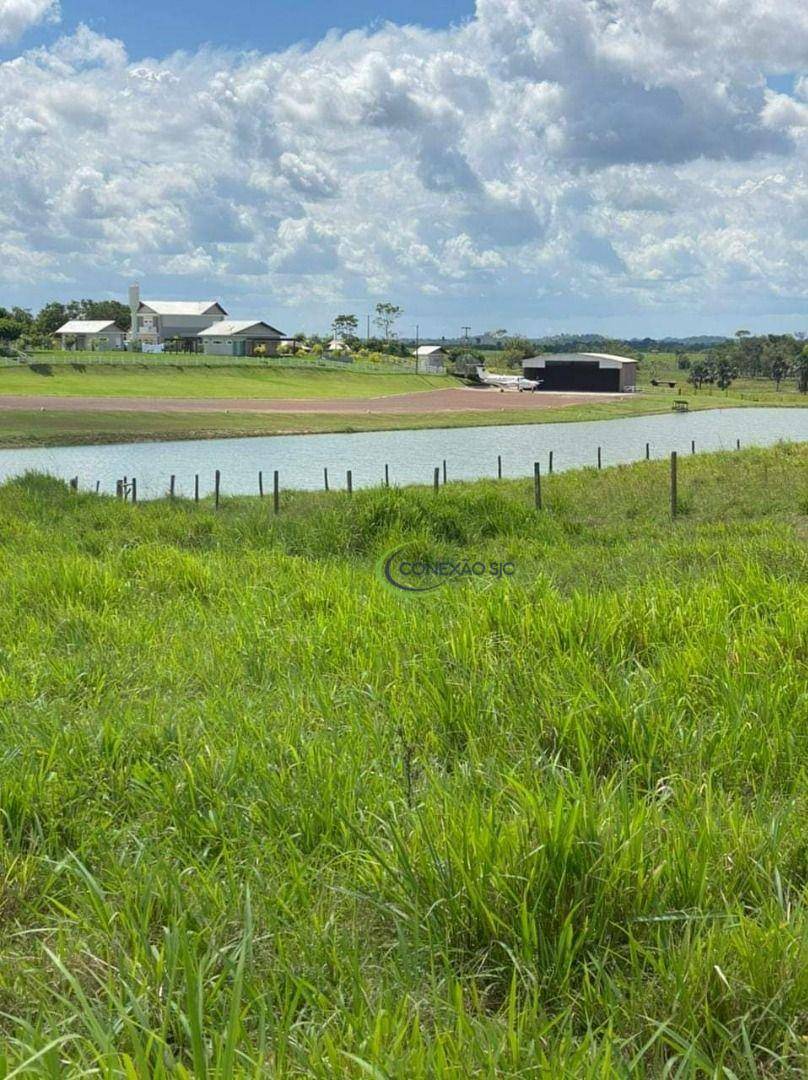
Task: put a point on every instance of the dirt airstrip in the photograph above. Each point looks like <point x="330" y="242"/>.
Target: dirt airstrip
<point x="454" y="399"/>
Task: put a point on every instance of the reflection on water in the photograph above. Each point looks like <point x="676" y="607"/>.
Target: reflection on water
<point x="411" y="455"/>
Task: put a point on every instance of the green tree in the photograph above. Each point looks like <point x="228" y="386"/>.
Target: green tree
<point x="10" y="328"/>
<point x="50" y="318"/>
<point x="724" y="371"/>
<point x="345" y="327"/>
<point x="112" y="310"/>
<point x="20" y="314"/>
<point x="515" y="349"/>
<point x="748" y="353"/>
<point x="801" y="370"/>
<point x="386" y="317"/>
<point x="699" y="373"/>
<point x="778" y="370"/>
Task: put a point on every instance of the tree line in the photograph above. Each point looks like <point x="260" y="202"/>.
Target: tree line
<point x="764" y="356"/>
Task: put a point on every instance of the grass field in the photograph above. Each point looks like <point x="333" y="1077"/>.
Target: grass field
<point x="263" y="815"/>
<point x="148" y="380"/>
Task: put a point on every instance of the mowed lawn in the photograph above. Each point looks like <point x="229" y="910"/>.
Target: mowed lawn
<point x="215" y="382"/>
<point x="263" y="816"/>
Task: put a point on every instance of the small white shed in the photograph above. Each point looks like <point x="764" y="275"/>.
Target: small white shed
<point x="431" y="358"/>
<point x="86" y="334"/>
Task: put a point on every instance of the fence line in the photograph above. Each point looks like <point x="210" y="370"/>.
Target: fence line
<point x="393" y="365"/>
<point x="126" y="487"/>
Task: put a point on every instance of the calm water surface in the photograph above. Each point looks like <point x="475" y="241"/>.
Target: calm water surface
<point x="411" y="455"/>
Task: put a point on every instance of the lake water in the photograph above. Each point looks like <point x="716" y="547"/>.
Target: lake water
<point x="411" y="455"/>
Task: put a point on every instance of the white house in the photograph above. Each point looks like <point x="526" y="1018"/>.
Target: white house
<point x="431" y="358"/>
<point x="337" y="345"/>
<point x="156" y="321"/>
<point x="240" y="338"/>
<point x="83" y="334"/>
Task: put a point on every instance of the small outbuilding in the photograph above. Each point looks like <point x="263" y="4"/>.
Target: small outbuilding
<point x="431" y="359"/>
<point x="337" y="345"/>
<point x="583" y="372"/>
<point x="85" y="334"/>
<point x="242" y="338"/>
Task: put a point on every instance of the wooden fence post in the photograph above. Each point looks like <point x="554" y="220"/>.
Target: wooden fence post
<point x="499" y="466"/>
<point x="737" y="444"/>
<point x="171" y="485"/>
<point x="325" y="479"/>
<point x="692" y="446"/>
<point x="276" y="492"/>
<point x="350" y="482"/>
<point x="436" y="479"/>
<point x="196" y="487"/>
<point x="217" y="478"/>
<point x="260" y="484"/>
<point x="74" y="483"/>
<point x="550" y="464"/>
<point x="134" y="491"/>
<point x="537" y="484"/>
<point x="119" y="489"/>
<point x="647" y="451"/>
<point x="387" y="475"/>
<point x="444" y="470"/>
<point x="674" y="492"/>
<point x="600" y="458"/>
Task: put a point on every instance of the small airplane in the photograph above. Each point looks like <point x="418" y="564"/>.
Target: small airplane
<point x="506" y="382"/>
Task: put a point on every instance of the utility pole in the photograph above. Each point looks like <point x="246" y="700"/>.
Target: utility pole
<point x="465" y="330"/>
<point x="417" y="328"/>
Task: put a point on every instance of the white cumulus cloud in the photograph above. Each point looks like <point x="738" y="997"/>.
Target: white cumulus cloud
<point x="617" y="164"/>
<point x="17" y="16"/>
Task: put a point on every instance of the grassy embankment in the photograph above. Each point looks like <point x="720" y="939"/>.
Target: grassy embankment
<point x="144" y="380"/>
<point x="154" y="380"/>
<point x="263" y="816"/>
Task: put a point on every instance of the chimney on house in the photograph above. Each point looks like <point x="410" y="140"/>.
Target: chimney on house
<point x="134" y="304"/>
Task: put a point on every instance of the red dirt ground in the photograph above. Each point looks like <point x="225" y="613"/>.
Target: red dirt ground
<point x="455" y="399"/>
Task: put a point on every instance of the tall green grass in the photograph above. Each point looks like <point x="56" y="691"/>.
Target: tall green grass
<point x="260" y="815"/>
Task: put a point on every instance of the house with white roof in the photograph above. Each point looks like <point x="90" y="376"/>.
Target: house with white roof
<point x="157" y="321"/>
<point x="231" y="337"/>
<point x="86" y="334"/>
<point x="337" y="345"/>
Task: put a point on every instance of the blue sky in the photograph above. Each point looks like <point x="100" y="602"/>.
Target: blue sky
<point x="534" y="165"/>
<point x="158" y="27"/>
